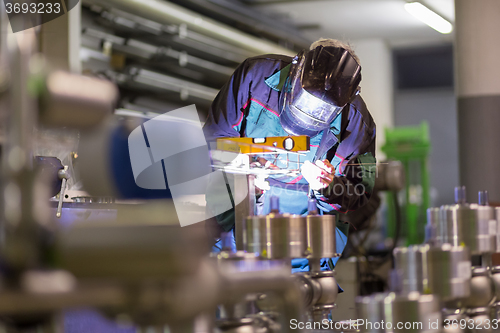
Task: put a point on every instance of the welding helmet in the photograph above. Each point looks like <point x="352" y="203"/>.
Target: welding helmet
<point x="321" y="82"/>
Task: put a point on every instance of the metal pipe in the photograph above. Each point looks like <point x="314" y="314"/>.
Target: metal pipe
<point x="280" y="282"/>
<point x="314" y="265"/>
<point x="133" y="247"/>
<point x="23" y="303"/>
<point x="252" y="19"/>
<point x="146" y="51"/>
<point x="162" y="81"/>
<point x="165" y="12"/>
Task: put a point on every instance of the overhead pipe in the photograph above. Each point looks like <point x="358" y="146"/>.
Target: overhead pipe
<point x="162" y="81"/>
<point x="183" y="36"/>
<point x="236" y="12"/>
<point x="147" y="51"/>
<point x="165" y="12"/>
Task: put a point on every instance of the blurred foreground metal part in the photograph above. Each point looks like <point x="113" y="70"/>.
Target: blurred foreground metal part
<point x="444" y="271"/>
<point x="279" y="236"/>
<point x="282" y="237"/>
<point x="315" y="298"/>
<point x="138" y="262"/>
<point x="87" y="106"/>
<point x="390" y="176"/>
<point x="454" y="266"/>
<point x="276" y="236"/>
<point x="399" y="313"/>
<point x="472" y="225"/>
<point x="449" y="272"/>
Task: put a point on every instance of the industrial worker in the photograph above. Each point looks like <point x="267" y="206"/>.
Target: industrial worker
<point x="315" y="93"/>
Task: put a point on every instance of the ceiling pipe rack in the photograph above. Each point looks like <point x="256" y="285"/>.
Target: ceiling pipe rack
<point x="165" y="12"/>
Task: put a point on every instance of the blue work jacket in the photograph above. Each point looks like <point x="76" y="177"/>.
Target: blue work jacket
<point x="248" y="105"/>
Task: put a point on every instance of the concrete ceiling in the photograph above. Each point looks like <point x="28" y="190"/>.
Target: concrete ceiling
<point x="353" y="20"/>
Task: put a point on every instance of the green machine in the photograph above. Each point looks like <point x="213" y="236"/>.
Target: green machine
<point x="411" y="146"/>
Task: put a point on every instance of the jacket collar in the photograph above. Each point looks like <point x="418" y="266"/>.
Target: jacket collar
<point x="278" y="79"/>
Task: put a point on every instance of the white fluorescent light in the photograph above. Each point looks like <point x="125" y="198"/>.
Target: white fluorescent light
<point x="429" y="17"/>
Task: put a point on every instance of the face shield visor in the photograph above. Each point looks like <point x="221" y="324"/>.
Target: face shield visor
<point x="320" y="84"/>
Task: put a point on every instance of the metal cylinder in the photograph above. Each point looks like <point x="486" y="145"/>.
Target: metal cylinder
<point x="372" y="309"/>
<point x="273" y="245"/>
<point x="443" y="234"/>
<point x="432" y="227"/>
<point x="449" y="272"/>
<point x="254" y="237"/>
<point x="481" y="288"/>
<point x="399" y="313"/>
<point x="297" y="236"/>
<point x="460" y="195"/>
<point x="410" y="262"/>
<point x="483" y="198"/>
<point x="468" y="225"/>
<point x="417" y="313"/>
<point x="454" y="217"/>
<point x="321" y="241"/>
<point x="485" y="238"/>
<point x="276" y="236"/>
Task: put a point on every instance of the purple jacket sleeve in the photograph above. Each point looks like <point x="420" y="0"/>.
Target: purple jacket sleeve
<point x="227" y="110"/>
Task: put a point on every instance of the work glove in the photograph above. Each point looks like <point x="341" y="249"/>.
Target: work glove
<point x="318" y="175"/>
<point x="260" y="182"/>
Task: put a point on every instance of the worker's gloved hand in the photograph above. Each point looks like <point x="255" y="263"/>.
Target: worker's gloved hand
<point x="318" y="175"/>
<point x="260" y="162"/>
<point x="260" y="182"/>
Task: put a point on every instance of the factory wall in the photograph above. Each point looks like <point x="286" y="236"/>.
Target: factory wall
<point x="423" y="83"/>
<point x="408" y="87"/>
<point x="377" y="84"/>
<point x="437" y="106"/>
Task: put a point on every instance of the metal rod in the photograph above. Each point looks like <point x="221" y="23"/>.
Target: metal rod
<point x="314" y="265"/>
<point x="245" y="208"/>
<point x="61" y="198"/>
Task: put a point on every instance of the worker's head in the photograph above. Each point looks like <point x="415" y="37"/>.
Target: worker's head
<point x="320" y="84"/>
